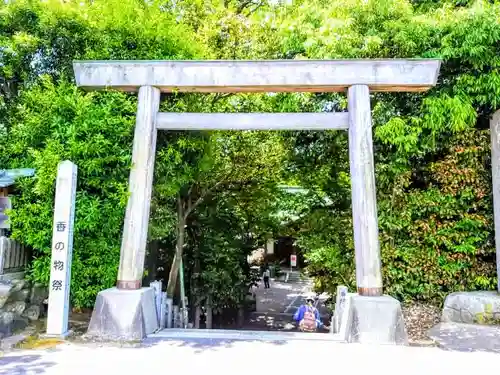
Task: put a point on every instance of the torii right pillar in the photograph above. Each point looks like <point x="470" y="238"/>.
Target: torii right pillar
<point x="495" y="186"/>
<point x="373" y="317"/>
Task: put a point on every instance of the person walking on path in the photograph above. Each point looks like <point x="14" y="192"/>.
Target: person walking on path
<point x="307" y="315"/>
<point x="266" y="275"/>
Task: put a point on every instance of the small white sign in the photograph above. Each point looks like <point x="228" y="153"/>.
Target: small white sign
<point x="270" y="246"/>
<point x="293" y="260"/>
<point x="5" y="204"/>
<point x="62" y="250"/>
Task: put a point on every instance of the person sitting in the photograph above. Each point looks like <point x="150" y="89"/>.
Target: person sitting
<point x="307" y="316"/>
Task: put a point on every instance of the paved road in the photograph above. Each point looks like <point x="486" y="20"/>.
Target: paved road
<point x="246" y="357"/>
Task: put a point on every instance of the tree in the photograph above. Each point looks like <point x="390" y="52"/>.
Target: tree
<point x="435" y="226"/>
<point x="238" y="160"/>
<point x="46" y="119"/>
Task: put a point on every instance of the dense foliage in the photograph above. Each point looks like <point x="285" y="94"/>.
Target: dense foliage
<point x="216" y="195"/>
<point x="46" y="119"/>
<point x="432" y="151"/>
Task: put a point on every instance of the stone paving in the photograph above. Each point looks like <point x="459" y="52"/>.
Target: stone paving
<point x="285" y="297"/>
<point x="281" y="297"/>
<point x="245" y="357"/>
<point x="466" y="337"/>
<point x="276" y="305"/>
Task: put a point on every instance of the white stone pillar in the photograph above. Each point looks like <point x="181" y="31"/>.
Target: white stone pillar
<point x="62" y="250"/>
<point x="495" y="176"/>
<point x="135" y="229"/>
<point x="364" y="204"/>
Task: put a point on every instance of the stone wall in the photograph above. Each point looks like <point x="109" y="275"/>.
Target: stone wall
<point x="21" y="302"/>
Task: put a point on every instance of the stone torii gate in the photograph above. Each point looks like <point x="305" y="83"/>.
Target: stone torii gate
<point x="127" y="311"/>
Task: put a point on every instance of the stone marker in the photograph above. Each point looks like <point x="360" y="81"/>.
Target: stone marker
<point x="156" y="285"/>
<point x="163" y="310"/>
<point x="62" y="248"/>
<point x="345" y="320"/>
<point x="339" y="306"/>
<point x="170" y="312"/>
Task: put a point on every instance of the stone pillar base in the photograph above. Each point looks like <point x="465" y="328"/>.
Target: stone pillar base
<point x="376" y="320"/>
<point x="125" y="315"/>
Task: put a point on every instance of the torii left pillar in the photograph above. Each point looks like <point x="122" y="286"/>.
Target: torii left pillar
<point x="127" y="311"/>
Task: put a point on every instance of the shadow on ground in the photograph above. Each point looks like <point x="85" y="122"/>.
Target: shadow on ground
<point x="12" y="364"/>
<point x="204" y="344"/>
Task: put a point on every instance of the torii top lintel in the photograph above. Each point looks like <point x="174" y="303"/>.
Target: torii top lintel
<point x="413" y="75"/>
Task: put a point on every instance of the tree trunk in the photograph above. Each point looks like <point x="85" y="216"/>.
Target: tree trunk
<point x="209" y="313"/>
<point x="197" y="315"/>
<point x="152" y="262"/>
<point x="176" y="263"/>
<point x="241" y="316"/>
<point x="182" y="215"/>
<point x="195" y="288"/>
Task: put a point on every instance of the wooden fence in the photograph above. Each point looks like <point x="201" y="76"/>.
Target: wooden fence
<point x="14" y="257"/>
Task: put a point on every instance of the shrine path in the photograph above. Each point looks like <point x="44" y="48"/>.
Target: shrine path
<point x="245" y="357"/>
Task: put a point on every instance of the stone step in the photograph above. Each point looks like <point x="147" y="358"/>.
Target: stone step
<point x="281" y="315"/>
<point x="224" y="334"/>
<point x="294" y="277"/>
